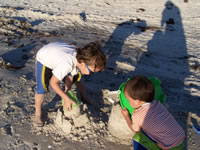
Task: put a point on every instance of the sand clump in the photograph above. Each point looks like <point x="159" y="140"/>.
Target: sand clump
<point x="79" y="125"/>
<point x="65" y="120"/>
<point x="117" y="124"/>
<point x="81" y="121"/>
<point x="76" y="124"/>
<point x="62" y="123"/>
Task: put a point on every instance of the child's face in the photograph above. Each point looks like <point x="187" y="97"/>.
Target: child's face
<point x="135" y="103"/>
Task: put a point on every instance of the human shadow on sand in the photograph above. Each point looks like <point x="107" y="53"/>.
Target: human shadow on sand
<point x="167" y="59"/>
<point x="113" y="48"/>
<point x="116" y="49"/>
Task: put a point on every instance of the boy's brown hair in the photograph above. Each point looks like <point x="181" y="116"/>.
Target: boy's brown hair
<point x="92" y="55"/>
<point x="140" y="88"/>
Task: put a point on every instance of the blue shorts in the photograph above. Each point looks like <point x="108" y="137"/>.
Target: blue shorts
<point x="43" y="76"/>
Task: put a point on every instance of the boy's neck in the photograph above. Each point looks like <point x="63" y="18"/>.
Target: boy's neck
<point x="146" y="103"/>
<point x="143" y="103"/>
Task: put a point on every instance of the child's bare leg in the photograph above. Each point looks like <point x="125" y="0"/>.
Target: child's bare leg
<point x="38" y="108"/>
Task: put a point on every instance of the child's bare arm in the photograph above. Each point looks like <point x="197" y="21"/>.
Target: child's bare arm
<point x="54" y="82"/>
<point x="125" y="113"/>
<point x="82" y="90"/>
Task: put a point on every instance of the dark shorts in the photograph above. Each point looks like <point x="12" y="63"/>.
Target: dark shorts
<point x="43" y="76"/>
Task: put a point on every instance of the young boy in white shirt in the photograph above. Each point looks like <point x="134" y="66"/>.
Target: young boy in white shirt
<point x="62" y="62"/>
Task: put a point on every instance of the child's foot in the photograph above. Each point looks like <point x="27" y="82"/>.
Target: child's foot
<point x="38" y="121"/>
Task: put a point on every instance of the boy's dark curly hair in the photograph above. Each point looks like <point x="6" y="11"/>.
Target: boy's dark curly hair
<point x="141" y="88"/>
<point x="92" y="55"/>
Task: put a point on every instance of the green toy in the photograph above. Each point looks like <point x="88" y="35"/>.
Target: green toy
<point x="74" y="98"/>
<point x="159" y="95"/>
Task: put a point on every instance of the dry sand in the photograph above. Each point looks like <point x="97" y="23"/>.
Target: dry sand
<point x="144" y="37"/>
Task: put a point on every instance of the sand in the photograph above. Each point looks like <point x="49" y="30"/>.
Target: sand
<point x="144" y="37"/>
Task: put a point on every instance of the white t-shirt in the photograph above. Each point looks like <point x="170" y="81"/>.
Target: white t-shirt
<point x="60" y="57"/>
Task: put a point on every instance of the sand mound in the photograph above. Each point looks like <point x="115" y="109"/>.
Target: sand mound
<point x="62" y="123"/>
<point x="78" y="126"/>
<point x="117" y="124"/>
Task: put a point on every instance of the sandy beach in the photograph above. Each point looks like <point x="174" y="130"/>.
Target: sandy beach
<point x="146" y="37"/>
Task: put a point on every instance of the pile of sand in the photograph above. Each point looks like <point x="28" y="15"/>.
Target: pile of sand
<point x="79" y="125"/>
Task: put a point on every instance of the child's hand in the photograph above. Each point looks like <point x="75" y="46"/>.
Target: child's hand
<point x="68" y="104"/>
<point x="124" y="112"/>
